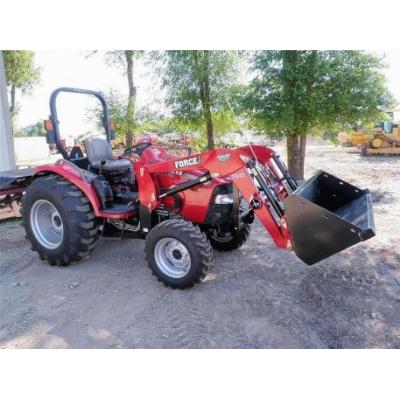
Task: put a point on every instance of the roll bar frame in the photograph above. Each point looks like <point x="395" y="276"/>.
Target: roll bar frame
<point x="56" y="122"/>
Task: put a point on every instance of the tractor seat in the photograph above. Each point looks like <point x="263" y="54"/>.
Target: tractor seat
<point x="98" y="150"/>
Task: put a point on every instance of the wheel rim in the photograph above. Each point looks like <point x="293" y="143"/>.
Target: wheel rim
<point x="46" y="224"/>
<point x="222" y="238"/>
<point x="172" y="257"/>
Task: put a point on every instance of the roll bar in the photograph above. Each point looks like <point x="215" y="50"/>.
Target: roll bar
<point x="54" y="115"/>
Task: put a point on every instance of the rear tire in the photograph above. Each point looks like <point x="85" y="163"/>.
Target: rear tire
<point x="364" y="148"/>
<point x="59" y="220"/>
<point x="178" y="253"/>
<point x="230" y="241"/>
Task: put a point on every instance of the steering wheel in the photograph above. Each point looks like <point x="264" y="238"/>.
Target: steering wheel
<point x="137" y="148"/>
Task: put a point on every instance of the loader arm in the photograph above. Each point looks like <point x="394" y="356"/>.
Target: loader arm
<point x="248" y="168"/>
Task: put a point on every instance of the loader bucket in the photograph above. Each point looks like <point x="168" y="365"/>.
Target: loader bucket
<point x="326" y="215"/>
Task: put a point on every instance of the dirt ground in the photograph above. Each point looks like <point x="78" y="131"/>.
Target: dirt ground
<point x="255" y="297"/>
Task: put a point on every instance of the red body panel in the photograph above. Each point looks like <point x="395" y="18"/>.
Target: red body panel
<point x="195" y="201"/>
<point x="224" y="164"/>
<point x="66" y="170"/>
<point x="157" y="170"/>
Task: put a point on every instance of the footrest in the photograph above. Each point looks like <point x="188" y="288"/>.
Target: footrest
<point x="121" y="208"/>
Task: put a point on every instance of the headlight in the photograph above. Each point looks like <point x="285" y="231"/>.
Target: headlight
<point x="223" y="199"/>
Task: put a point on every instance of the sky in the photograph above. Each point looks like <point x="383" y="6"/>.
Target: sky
<point x="74" y="69"/>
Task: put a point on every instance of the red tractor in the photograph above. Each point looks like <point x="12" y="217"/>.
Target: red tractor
<point x="182" y="206"/>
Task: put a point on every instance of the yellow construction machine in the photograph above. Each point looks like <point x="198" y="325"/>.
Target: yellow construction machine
<point x="383" y="139"/>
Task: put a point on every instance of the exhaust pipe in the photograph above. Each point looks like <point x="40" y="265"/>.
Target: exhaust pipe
<point x="326" y="215"/>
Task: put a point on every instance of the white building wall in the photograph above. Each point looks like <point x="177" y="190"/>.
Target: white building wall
<point x="7" y="158"/>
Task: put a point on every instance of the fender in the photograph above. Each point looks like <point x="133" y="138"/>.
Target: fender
<point x="76" y="176"/>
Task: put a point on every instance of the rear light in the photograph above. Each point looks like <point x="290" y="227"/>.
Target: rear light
<point x="48" y="125"/>
<point x="223" y="199"/>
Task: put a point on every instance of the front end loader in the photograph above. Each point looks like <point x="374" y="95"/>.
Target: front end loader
<point x="184" y="207"/>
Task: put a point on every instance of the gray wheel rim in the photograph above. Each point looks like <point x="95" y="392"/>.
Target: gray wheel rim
<point x="172" y="257"/>
<point x="46" y="224"/>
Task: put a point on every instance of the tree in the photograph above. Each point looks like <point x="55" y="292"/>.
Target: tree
<point x="36" y="129"/>
<point x="300" y="92"/>
<point x="198" y="84"/>
<point x="118" y="110"/>
<point x="145" y="119"/>
<point x="21" y="73"/>
<point x="125" y="59"/>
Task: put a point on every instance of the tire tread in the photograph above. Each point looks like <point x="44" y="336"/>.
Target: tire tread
<point x="237" y="241"/>
<point x="180" y="226"/>
<point x="82" y="227"/>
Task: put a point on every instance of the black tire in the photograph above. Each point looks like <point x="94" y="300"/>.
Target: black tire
<point x="364" y="148"/>
<point x="230" y="241"/>
<point x="194" y="241"/>
<point x="79" y="223"/>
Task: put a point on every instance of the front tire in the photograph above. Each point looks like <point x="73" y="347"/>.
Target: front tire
<point x="178" y="253"/>
<point x="59" y="220"/>
<point x="231" y="240"/>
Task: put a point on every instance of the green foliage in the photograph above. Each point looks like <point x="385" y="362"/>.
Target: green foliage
<point x="146" y="121"/>
<point x="198" y="84"/>
<point x="331" y="136"/>
<point x="150" y="122"/>
<point x="303" y="92"/>
<point x="183" y="74"/>
<point x="225" y="121"/>
<point x="117" y="109"/>
<point x="21" y="74"/>
<point x="36" y="129"/>
<point x="115" y="58"/>
<point x="124" y="59"/>
<point x="298" y="91"/>
<point x="20" y="69"/>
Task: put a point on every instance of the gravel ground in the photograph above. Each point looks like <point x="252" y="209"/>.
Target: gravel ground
<point x="255" y="297"/>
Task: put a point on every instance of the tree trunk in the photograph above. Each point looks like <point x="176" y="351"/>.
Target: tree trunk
<point x="303" y="143"/>
<point x="296" y="151"/>
<point x="209" y="121"/>
<point x="132" y="98"/>
<point x="210" y="134"/>
<point x="206" y="100"/>
<point x="12" y="106"/>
